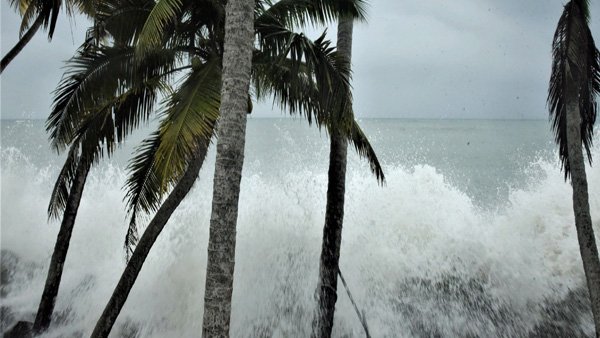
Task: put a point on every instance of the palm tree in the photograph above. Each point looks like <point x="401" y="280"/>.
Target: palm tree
<point x="92" y="113"/>
<point x="334" y="212"/>
<point x="38" y="13"/>
<point x="286" y="78"/>
<point x="574" y="83"/>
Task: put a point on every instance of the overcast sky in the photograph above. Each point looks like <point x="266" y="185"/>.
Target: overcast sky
<point x="428" y="58"/>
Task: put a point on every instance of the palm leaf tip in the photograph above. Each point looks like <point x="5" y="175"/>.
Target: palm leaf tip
<point x="364" y="149"/>
<point x="143" y="191"/>
<point x="60" y="192"/>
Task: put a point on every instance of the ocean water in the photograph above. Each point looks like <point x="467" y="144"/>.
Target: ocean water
<point x="472" y="235"/>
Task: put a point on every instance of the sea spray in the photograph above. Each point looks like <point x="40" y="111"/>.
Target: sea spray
<point x="422" y="255"/>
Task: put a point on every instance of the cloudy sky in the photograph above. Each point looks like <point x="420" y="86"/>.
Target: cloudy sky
<point x="413" y="59"/>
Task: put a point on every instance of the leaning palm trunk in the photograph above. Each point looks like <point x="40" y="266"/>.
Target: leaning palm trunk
<point x="46" y="307"/>
<point x="334" y="213"/>
<point x="237" y="61"/>
<point x="581" y="207"/>
<point x="23" y="41"/>
<point x="155" y="227"/>
<point x="574" y="83"/>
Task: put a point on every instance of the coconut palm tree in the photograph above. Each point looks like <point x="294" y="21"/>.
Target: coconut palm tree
<point x="574" y="83"/>
<point x="41" y="13"/>
<point x="334" y="211"/>
<point x="92" y="112"/>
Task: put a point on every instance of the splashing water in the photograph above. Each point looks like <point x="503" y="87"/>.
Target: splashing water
<point x="422" y="255"/>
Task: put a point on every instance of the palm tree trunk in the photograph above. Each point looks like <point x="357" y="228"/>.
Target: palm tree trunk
<point x="155" y="227"/>
<point x="237" y="61"/>
<point x="334" y="212"/>
<point x="332" y="237"/>
<point x="581" y="207"/>
<point x="46" y="307"/>
<point x="21" y="43"/>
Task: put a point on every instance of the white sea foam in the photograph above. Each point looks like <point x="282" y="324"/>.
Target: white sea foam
<point x="420" y="256"/>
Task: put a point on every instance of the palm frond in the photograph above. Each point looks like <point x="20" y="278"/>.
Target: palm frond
<point x="330" y="72"/>
<point x="190" y="114"/>
<point x="143" y="187"/>
<point x="292" y="88"/>
<point x="151" y="196"/>
<point x="86" y="7"/>
<point x="20" y="5"/>
<point x="90" y="75"/>
<point x="28" y="16"/>
<point x="49" y="9"/>
<point x="163" y="13"/>
<point x="585" y="8"/>
<point x="123" y="19"/>
<point x="160" y="161"/>
<point x="300" y="13"/>
<point x="318" y="89"/>
<point x="60" y="192"/>
<point x="87" y="147"/>
<point x="364" y="149"/>
<point x="575" y="78"/>
<point x="97" y="75"/>
<point x="99" y="131"/>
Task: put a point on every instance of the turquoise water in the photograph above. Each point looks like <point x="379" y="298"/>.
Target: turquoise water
<point x="471" y="235"/>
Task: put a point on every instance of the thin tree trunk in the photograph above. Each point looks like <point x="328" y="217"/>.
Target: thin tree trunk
<point x="155" y="227"/>
<point x="21" y="43"/>
<point x="332" y="237"/>
<point x="581" y="207"/>
<point x="334" y="212"/>
<point x="46" y="307"/>
<point x="237" y="61"/>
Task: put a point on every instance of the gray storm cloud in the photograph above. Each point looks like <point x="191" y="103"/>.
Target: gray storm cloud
<point x="417" y="59"/>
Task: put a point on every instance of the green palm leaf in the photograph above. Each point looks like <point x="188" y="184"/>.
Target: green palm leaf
<point x="144" y="190"/>
<point x="102" y="128"/>
<point x="60" y="192"/>
<point x="163" y="13"/>
<point x="189" y="116"/>
<point x="96" y="75"/>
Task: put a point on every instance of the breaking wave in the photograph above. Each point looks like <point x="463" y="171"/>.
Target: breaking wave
<point x="421" y="257"/>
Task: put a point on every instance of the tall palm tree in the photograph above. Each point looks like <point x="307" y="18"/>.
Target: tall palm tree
<point x="92" y="112"/>
<point x="286" y="78"/>
<point x="334" y="212"/>
<point x="41" y="13"/>
<point x="574" y="83"/>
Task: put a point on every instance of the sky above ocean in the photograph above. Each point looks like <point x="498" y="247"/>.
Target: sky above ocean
<point x="411" y="59"/>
